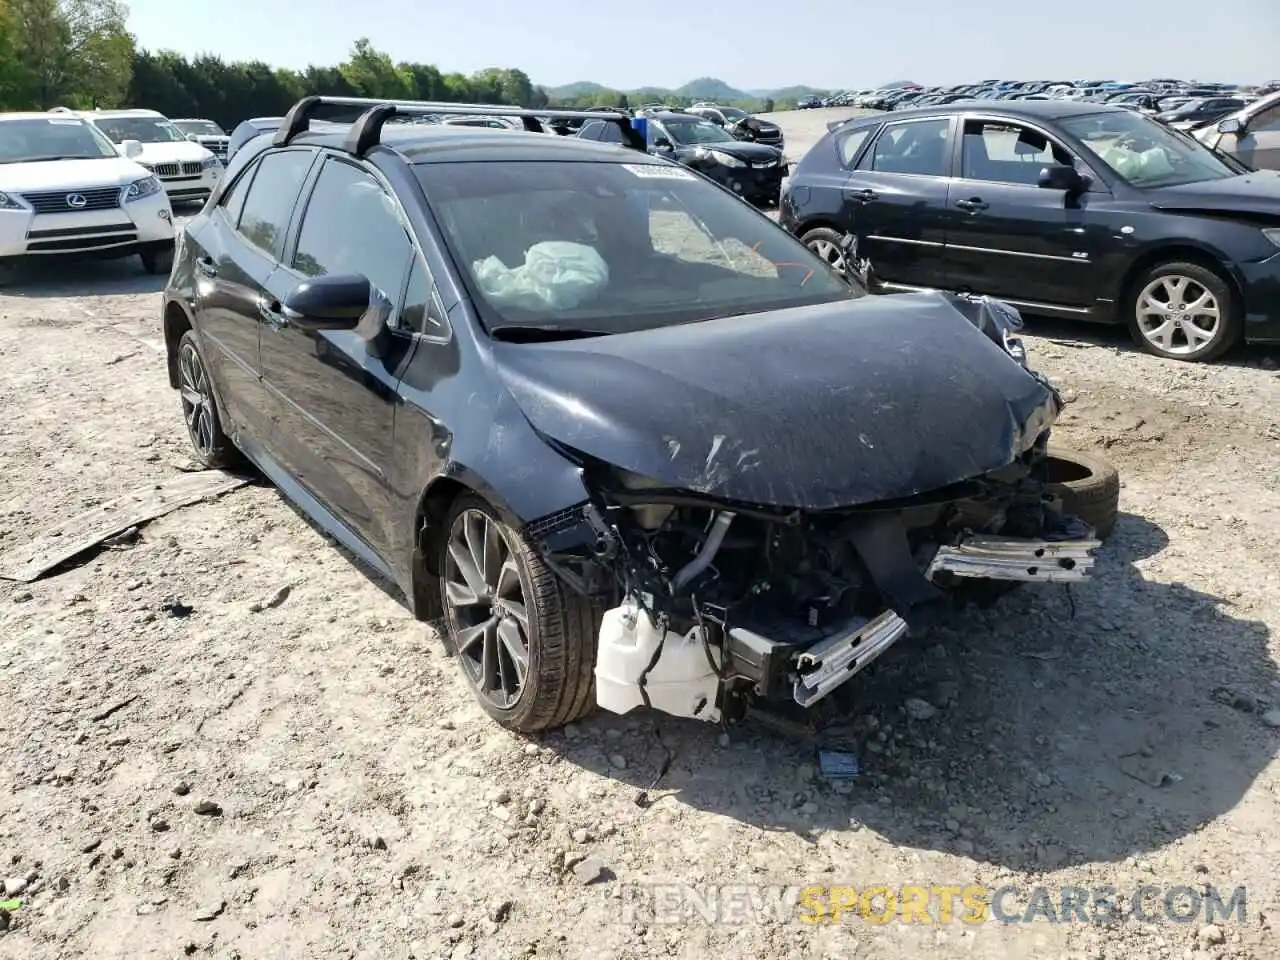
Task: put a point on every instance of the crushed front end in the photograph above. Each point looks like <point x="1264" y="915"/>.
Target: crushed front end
<point x="714" y="606"/>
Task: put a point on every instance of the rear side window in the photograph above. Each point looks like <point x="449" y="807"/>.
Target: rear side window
<point x="273" y="194"/>
<point x="919" y="147"/>
<point x="849" y="144"/>
<point x="351" y="225"/>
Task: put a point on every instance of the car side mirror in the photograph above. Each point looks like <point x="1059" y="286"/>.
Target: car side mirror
<point x="131" y="148"/>
<point x="662" y="143"/>
<point x="1231" y="125"/>
<point x="1061" y="177"/>
<point x="193" y="138"/>
<point x="332" y="302"/>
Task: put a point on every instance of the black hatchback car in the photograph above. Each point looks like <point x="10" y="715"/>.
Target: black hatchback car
<point x="1074" y="210"/>
<point x="753" y="171"/>
<point x="613" y="427"/>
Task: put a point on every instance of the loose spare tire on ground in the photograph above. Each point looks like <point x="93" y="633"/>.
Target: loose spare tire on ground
<point x="1087" y="485"/>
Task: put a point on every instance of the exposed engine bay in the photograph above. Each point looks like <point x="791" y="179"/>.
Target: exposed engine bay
<point x="715" y="606"/>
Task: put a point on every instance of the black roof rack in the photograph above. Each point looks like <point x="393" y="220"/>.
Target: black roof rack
<point x="366" y="132"/>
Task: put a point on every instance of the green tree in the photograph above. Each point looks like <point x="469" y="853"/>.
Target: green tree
<point x="372" y="74"/>
<point x="76" y="51"/>
<point x="16" y="82"/>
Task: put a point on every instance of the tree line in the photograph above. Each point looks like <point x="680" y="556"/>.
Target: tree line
<point x="80" y="54"/>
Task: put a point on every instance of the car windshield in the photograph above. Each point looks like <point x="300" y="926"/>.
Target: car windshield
<point x="142" y="129"/>
<point x="615" y="247"/>
<point x="1145" y="153"/>
<point x="201" y="128"/>
<point x="53" y="138"/>
<point x="733" y="113"/>
<point x="688" y="132"/>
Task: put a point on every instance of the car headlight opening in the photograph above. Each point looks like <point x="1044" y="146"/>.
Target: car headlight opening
<point x="146" y="187"/>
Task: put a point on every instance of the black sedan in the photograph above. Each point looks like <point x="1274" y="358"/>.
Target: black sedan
<point x="754" y="171"/>
<point x="625" y="439"/>
<point x="1205" y="110"/>
<point x="1074" y="210"/>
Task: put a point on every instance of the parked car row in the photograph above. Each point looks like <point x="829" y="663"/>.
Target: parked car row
<point x="1193" y="101"/>
<point x="1069" y="208"/>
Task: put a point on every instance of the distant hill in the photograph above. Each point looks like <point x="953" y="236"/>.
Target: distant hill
<point x="703" y="88"/>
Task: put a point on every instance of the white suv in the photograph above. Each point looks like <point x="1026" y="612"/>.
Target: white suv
<point x="188" y="171"/>
<point x="65" y="189"/>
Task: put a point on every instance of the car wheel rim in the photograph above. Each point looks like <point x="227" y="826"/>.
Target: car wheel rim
<point x="486" y="606"/>
<point x="1178" y="315"/>
<point x="197" y="399"/>
<point x="829" y="253"/>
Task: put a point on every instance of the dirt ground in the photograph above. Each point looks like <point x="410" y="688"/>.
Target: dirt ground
<point x="293" y="768"/>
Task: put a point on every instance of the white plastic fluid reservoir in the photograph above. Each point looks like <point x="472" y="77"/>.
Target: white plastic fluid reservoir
<point x="682" y="682"/>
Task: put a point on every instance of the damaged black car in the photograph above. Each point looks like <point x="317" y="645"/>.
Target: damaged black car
<point x="621" y="436"/>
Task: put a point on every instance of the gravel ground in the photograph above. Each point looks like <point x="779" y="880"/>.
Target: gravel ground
<point x="292" y="767"/>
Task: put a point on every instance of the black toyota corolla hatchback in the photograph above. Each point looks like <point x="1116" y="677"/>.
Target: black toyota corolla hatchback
<point x="625" y="439"/>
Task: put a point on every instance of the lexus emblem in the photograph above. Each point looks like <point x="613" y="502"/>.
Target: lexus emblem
<point x="76" y="201"/>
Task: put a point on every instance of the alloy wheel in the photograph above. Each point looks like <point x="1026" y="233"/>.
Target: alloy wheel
<point x="1178" y="315"/>
<point x="829" y="253"/>
<point x="487" y="609"/>
<point x="197" y="400"/>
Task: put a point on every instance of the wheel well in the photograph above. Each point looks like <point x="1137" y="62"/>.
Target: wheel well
<point x="815" y="224"/>
<point x="176" y="323"/>
<point x="428" y="526"/>
<point x="1153" y="258"/>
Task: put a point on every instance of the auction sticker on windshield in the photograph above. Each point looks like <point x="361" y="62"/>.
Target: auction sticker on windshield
<point x="658" y="171"/>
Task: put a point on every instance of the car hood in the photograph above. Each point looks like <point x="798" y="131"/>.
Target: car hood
<point x="184" y="152"/>
<point x="1255" y="193"/>
<point x="742" y="149"/>
<point x="816" y="407"/>
<point x="69" y="174"/>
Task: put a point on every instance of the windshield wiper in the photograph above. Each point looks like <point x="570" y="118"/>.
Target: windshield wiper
<point x="542" y="332"/>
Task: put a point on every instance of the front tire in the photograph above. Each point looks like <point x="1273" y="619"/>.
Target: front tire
<point x="1183" y="311"/>
<point x="157" y="261"/>
<point x="210" y="444"/>
<point x="526" y="646"/>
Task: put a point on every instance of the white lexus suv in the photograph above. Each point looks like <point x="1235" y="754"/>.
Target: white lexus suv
<point x="188" y="171"/>
<point x="65" y="189"/>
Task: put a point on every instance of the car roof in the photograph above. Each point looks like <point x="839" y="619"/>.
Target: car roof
<point x="107" y="114"/>
<point x="32" y="115"/>
<point x="440" y="143"/>
<point x="1018" y="109"/>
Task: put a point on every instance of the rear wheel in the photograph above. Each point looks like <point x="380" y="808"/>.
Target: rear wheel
<point x="526" y="645"/>
<point x="211" y="445"/>
<point x="1087" y="486"/>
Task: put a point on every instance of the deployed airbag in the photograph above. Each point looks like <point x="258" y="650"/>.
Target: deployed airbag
<point x="555" y="275"/>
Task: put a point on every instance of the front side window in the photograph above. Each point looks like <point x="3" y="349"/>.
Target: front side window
<point x="54" y="138"/>
<point x="268" y="206"/>
<point x="1144" y="152"/>
<point x="1007" y="152"/>
<point x="142" y="129"/>
<point x="352" y="226"/>
<point x="1268" y="120"/>
<point x="615" y="247"/>
<point x="920" y="147"/>
<point x="420" y="313"/>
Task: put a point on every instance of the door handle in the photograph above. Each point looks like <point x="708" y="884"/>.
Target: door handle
<point x="972" y="205"/>
<point x="206" y="267"/>
<point x="270" y="311"/>
<point x="863" y="196"/>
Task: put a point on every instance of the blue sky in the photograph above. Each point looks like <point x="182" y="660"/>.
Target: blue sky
<point x="823" y="43"/>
